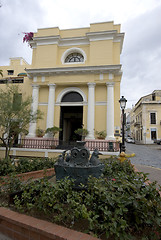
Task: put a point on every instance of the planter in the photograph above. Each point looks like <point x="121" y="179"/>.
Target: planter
<point x="34" y="175"/>
<point x="25" y="227"/>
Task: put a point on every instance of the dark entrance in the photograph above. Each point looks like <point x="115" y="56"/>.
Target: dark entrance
<point x="153" y="134"/>
<point x="71" y="118"/>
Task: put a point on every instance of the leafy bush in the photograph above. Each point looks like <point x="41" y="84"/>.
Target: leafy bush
<point x="35" y="164"/>
<point x="11" y="184"/>
<point x="113" y="168"/>
<point x="25" y="165"/>
<point x="119" y="205"/>
<point x="7" y="167"/>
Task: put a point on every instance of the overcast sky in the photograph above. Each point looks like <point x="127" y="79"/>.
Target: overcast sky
<point x="140" y="21"/>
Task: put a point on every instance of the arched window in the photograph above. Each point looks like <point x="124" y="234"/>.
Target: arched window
<point x="74" y="57"/>
<point x="72" y="97"/>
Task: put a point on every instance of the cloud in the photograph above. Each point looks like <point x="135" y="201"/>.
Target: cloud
<point x="141" y="55"/>
<point x="17" y="17"/>
<point x="140" y="20"/>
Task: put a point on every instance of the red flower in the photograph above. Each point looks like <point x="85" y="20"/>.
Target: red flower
<point x="113" y="179"/>
<point x="28" y="37"/>
<point x="157" y="234"/>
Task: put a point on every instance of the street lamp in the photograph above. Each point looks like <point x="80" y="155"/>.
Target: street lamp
<point x="122" y="102"/>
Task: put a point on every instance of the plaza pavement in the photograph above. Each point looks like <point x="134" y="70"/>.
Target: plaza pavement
<point x="3" y="237"/>
<point x="147" y="159"/>
<point x="154" y="174"/>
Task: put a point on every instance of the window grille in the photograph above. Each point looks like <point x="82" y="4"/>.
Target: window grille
<point x="74" y="57"/>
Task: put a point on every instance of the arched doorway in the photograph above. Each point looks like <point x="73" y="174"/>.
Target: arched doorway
<point x="71" y="116"/>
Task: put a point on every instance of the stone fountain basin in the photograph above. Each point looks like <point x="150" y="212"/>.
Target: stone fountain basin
<point x="79" y="173"/>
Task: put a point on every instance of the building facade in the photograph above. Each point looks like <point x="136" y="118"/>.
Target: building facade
<point x="74" y="79"/>
<point x="15" y="74"/>
<point x="146" y="118"/>
<point x="127" y="132"/>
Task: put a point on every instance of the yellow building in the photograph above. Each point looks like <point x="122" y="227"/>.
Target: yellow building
<point x="146" y="118"/>
<point x="15" y="74"/>
<point x="74" y="79"/>
<point x="15" y="70"/>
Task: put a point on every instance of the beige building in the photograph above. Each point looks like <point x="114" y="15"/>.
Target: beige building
<point x="15" y="74"/>
<point x="146" y="118"/>
<point x="74" y="79"/>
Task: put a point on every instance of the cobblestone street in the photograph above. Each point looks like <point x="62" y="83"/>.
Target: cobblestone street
<point x="147" y="159"/>
<point x="149" y="155"/>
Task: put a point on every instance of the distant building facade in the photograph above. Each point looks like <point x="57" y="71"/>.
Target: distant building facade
<point x="127" y="132"/>
<point x="145" y="118"/>
<point x="15" y="74"/>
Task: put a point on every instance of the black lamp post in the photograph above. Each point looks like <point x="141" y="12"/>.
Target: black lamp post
<point x="122" y="102"/>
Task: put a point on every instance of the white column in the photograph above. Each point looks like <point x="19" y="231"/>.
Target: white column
<point x="110" y="112"/>
<point x="51" y="103"/>
<point x="91" y="110"/>
<point x="34" y="107"/>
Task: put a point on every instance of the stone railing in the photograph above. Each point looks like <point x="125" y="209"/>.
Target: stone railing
<point x="43" y="143"/>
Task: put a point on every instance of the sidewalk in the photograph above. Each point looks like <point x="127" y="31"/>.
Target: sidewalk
<point x="154" y="173"/>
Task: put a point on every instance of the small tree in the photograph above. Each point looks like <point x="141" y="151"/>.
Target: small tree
<point x="15" y="116"/>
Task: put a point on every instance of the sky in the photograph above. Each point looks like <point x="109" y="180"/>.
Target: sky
<point x="140" y="21"/>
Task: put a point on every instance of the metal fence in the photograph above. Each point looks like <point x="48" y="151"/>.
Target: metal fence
<point x="41" y="143"/>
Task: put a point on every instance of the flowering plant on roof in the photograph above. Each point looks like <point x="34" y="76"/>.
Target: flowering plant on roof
<point x="28" y="37"/>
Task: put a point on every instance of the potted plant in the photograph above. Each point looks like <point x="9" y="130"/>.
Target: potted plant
<point x="52" y="131"/>
<point x="39" y="132"/>
<point x="83" y="132"/>
<point x="101" y="134"/>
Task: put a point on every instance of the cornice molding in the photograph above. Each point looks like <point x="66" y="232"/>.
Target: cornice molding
<point x="83" y="40"/>
<point x="114" y="69"/>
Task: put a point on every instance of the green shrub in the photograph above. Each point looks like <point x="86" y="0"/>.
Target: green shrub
<point x="25" y="165"/>
<point x="35" y="164"/>
<point x="11" y="184"/>
<point x="6" y="167"/>
<point x="118" y="205"/>
<point x="114" y="168"/>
